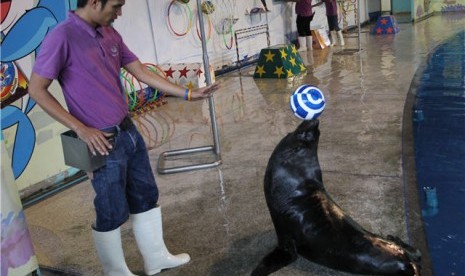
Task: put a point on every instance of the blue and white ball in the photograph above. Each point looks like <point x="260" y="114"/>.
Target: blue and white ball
<point x="307" y="102"/>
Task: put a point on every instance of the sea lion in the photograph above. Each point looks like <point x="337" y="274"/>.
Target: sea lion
<point x="310" y="224"/>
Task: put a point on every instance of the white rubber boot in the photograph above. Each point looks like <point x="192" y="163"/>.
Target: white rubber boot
<point x="302" y="44"/>
<point x="110" y="253"/>
<point x="341" y="38"/>
<point x="333" y="38"/>
<point x="309" y="42"/>
<point x="148" y="232"/>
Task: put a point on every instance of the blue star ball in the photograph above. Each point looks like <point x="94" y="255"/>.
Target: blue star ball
<point x="307" y="102"/>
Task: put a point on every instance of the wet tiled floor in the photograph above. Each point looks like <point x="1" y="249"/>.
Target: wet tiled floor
<point x="219" y="216"/>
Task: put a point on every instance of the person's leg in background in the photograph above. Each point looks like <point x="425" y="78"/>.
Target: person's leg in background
<point x="332" y="30"/>
<point x="303" y="30"/>
<point x="308" y="32"/>
<point x="301" y="33"/>
<point x="333" y="23"/>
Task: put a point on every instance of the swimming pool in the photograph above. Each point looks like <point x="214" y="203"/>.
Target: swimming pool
<point x="437" y="98"/>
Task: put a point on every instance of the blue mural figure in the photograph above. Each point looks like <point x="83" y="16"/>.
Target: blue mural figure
<point x="22" y="39"/>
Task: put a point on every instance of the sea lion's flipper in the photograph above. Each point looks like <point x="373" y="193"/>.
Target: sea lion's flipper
<point x="413" y="253"/>
<point x="277" y="259"/>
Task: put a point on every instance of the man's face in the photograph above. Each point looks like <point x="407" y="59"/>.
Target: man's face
<point x="108" y="14"/>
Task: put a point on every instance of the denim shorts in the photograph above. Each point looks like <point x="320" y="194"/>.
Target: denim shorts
<point x="126" y="184"/>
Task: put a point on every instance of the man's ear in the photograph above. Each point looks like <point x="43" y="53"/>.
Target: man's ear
<point x="94" y="3"/>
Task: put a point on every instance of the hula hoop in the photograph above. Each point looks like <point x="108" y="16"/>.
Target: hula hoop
<point x="130" y="93"/>
<point x="209" y="35"/>
<point x="231" y="35"/>
<point x="157" y="70"/>
<point x="188" y="12"/>
<point x="132" y="85"/>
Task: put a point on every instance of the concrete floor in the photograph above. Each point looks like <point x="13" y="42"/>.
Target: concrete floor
<point x="219" y="215"/>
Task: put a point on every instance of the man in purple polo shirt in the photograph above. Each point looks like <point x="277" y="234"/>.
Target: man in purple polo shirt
<point x="85" y="54"/>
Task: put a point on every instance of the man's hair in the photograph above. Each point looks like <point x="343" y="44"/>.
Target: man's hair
<point x="83" y="3"/>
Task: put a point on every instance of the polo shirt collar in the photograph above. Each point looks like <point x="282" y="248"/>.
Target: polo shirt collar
<point x="84" y="25"/>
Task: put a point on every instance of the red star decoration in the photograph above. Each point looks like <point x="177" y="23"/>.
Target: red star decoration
<point x="169" y="72"/>
<point x="389" y="30"/>
<point x="184" y="72"/>
<point x="383" y="21"/>
<point x="379" y="30"/>
<point x="199" y="72"/>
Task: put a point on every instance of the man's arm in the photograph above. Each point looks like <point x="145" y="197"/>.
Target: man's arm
<point x="38" y="90"/>
<point x="140" y="71"/>
<point x="319" y="3"/>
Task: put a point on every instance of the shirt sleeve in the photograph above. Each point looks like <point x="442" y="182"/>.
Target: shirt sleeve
<point x="127" y="56"/>
<point x="52" y="56"/>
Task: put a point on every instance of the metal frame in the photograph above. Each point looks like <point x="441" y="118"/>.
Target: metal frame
<point x="215" y="148"/>
<point x="250" y="32"/>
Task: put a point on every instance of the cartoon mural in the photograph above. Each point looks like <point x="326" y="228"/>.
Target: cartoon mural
<point x="19" y="39"/>
<point x="18" y="256"/>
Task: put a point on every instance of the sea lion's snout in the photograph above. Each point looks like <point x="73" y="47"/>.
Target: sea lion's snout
<point x="308" y="125"/>
<point x="308" y="131"/>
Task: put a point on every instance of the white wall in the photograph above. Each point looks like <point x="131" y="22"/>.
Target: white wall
<point x="144" y="28"/>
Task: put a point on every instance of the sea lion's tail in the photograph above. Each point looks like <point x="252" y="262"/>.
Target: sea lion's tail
<point x="275" y="260"/>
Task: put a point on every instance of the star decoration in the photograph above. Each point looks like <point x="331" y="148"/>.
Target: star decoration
<point x="279" y="62"/>
<point x="293" y="49"/>
<point x="379" y="30"/>
<point x="184" y="72"/>
<point x="302" y="67"/>
<point x="389" y="30"/>
<point x="292" y="61"/>
<point x="169" y="72"/>
<point x="279" y="71"/>
<point x="198" y="72"/>
<point x="260" y="70"/>
<point x="383" y="21"/>
<point x="289" y="73"/>
<point x="269" y="56"/>
<point x="283" y="53"/>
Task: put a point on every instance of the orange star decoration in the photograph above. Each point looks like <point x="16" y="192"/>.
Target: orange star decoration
<point x="386" y="25"/>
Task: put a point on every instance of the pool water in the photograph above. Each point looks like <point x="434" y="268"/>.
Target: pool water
<point x="439" y="140"/>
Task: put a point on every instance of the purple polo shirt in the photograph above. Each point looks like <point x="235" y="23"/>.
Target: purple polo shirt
<point x="304" y="8"/>
<point x="87" y="63"/>
<point x="331" y="7"/>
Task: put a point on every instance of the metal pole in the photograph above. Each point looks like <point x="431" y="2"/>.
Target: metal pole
<point x="358" y="19"/>
<point x="216" y="147"/>
<point x="208" y="78"/>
